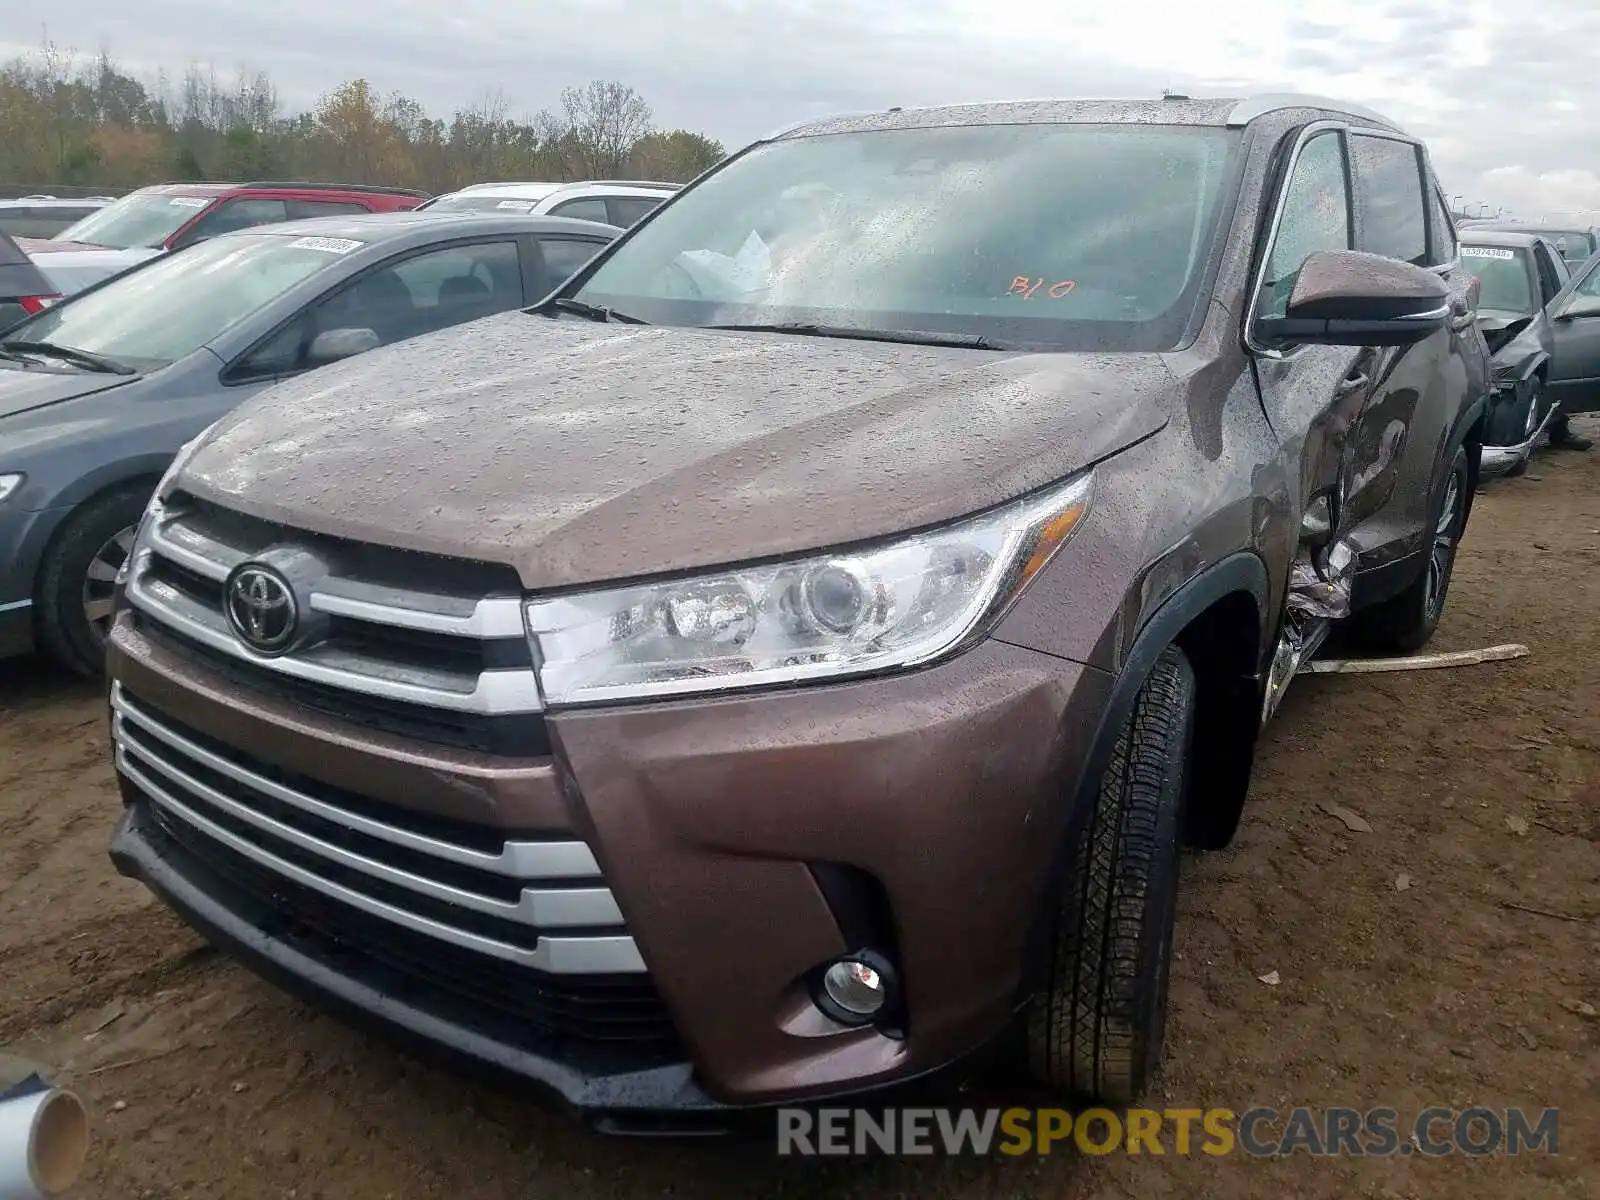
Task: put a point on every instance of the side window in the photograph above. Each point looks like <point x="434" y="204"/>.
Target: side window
<point x="1442" y="231"/>
<point x="1590" y="286"/>
<point x="627" y="211"/>
<point x="1388" y="179"/>
<point x="564" y="256"/>
<point x="400" y="300"/>
<point x="589" y="208"/>
<point x="427" y="292"/>
<point x="1316" y="216"/>
<point x="237" y="214"/>
<point x="299" y="209"/>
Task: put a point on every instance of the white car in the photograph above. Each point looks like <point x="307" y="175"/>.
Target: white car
<point x="619" y="202"/>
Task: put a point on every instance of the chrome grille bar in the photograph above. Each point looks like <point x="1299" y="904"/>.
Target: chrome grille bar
<point x="387" y="667"/>
<point x="516" y="859"/>
<point x="180" y="795"/>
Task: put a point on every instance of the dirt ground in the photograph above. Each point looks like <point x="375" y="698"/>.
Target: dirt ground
<point x="1483" y="792"/>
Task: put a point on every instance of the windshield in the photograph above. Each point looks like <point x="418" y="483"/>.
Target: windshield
<point x="141" y="220"/>
<point x="472" y="203"/>
<point x="179" y="302"/>
<point x="1059" y="236"/>
<point x="1506" y="287"/>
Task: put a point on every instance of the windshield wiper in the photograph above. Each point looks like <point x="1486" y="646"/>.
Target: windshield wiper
<point x="910" y="337"/>
<point x="593" y="311"/>
<point x="78" y="358"/>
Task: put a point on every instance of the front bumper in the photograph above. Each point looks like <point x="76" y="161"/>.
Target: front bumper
<point x="715" y="823"/>
<point x="1497" y="460"/>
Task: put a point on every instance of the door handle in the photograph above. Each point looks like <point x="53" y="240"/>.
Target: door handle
<point x="1352" y="383"/>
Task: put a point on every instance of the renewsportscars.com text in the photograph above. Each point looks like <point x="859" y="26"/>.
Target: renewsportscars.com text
<point x="1257" y="1132"/>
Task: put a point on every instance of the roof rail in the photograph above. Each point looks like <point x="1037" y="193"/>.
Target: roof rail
<point x="1257" y="106"/>
<point x="643" y="183"/>
<point x="794" y="126"/>
<point x="384" y="189"/>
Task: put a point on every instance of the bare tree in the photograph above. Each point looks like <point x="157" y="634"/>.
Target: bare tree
<point x="604" y="119"/>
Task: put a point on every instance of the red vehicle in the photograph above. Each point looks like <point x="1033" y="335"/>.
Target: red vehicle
<point x="170" y="216"/>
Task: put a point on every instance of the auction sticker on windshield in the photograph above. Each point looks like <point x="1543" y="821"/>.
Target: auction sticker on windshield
<point x="331" y="245"/>
<point x="1486" y="252"/>
<point x="516" y="205"/>
<point x="188" y="202"/>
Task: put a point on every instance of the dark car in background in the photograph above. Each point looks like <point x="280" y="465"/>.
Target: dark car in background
<point x="1520" y="275"/>
<point x="98" y="393"/>
<point x="1575" y="326"/>
<point x="1574" y="243"/>
<point x="24" y="289"/>
<point x="789" y="660"/>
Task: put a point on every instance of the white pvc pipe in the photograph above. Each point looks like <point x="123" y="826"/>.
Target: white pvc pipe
<point x="44" y="1138"/>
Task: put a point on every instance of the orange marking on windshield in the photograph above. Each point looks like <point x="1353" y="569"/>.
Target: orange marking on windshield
<point x="1026" y="286"/>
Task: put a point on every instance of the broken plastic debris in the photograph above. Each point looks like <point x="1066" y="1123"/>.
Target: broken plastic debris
<point x="1402" y="883"/>
<point x="1416" y="662"/>
<point x="1271" y="979"/>
<point x="1323" y="589"/>
<point x="1353" y="821"/>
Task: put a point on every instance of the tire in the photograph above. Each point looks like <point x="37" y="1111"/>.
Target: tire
<point x="1095" y="1033"/>
<point x="1530" y="422"/>
<point x="1404" y="624"/>
<point x="94" y="538"/>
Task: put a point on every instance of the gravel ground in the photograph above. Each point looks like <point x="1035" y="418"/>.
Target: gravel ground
<point x="1483" y="793"/>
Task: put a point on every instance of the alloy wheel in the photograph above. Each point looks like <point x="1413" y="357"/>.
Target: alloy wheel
<point x="1442" y="553"/>
<point x="99" y="581"/>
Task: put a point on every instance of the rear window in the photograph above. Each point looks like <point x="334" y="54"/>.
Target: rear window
<point x="1504" y="276"/>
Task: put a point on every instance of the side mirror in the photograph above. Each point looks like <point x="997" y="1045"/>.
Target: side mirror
<point x="1579" y="306"/>
<point x="333" y="344"/>
<point x="1350" y="298"/>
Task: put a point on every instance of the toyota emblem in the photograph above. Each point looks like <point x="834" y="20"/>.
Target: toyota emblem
<point x="261" y="608"/>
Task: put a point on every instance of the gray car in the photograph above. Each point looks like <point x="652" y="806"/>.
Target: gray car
<point x="98" y="393"/>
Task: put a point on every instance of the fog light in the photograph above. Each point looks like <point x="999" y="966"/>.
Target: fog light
<point x="857" y="989"/>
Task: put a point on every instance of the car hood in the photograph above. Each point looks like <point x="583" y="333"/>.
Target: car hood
<point x="576" y="452"/>
<point x="24" y="389"/>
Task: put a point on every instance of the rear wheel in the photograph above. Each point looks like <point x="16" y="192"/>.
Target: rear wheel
<point x="1404" y="623"/>
<point x="73" y="599"/>
<point x="1096" y="1032"/>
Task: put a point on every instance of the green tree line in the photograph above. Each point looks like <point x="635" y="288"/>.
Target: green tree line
<point x="88" y="123"/>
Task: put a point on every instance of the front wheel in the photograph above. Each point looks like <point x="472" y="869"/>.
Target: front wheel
<point x="1404" y="623"/>
<point x="73" y="599"/>
<point x="1533" y="412"/>
<point x="1095" y="1034"/>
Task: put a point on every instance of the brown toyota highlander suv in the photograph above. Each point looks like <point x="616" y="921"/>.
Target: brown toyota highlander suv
<point x="788" y="659"/>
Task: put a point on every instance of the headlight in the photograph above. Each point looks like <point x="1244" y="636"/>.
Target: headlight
<point x="889" y="606"/>
<point x="9" y="484"/>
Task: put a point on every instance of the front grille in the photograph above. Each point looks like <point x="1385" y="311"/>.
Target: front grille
<point x="447" y="662"/>
<point x="524" y="926"/>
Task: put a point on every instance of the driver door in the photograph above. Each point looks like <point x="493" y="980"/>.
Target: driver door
<point x="1575" y="326"/>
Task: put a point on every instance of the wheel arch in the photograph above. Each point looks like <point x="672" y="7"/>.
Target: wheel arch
<point x="1220" y="619"/>
<point x="37" y="553"/>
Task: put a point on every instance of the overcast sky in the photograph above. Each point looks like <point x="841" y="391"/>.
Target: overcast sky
<point x="1507" y="93"/>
